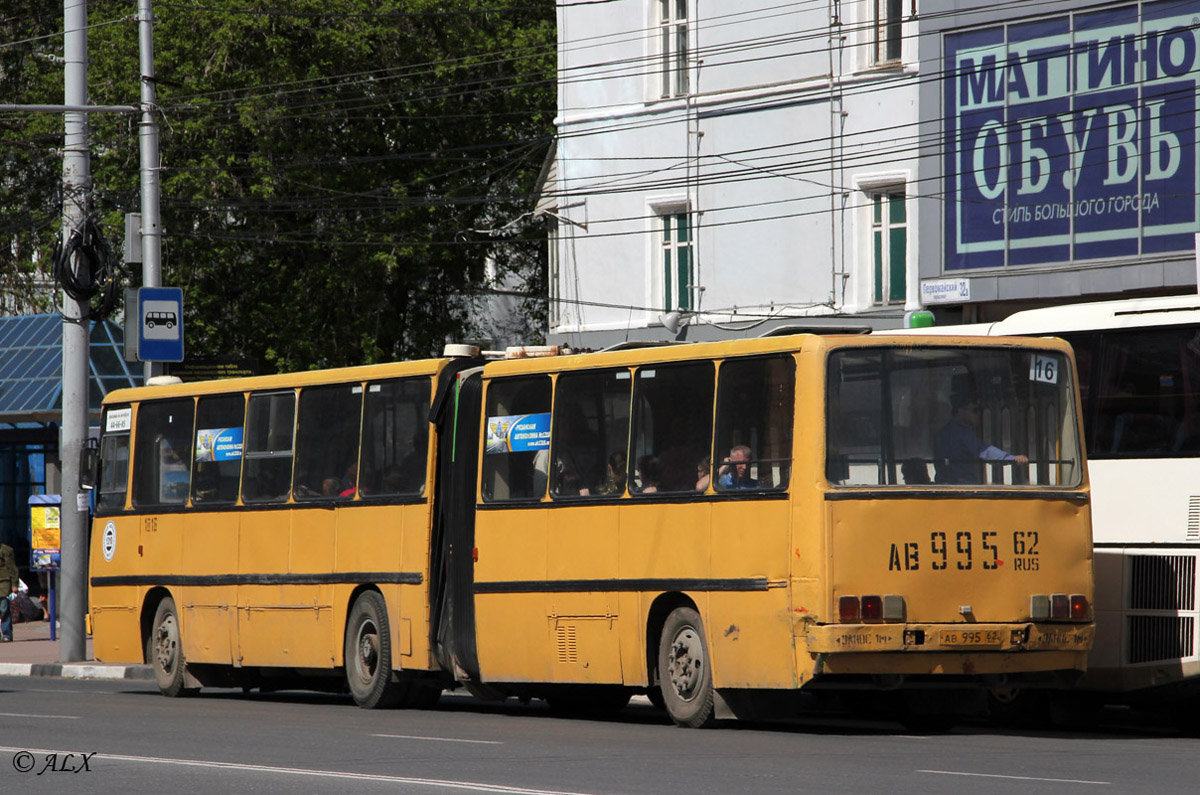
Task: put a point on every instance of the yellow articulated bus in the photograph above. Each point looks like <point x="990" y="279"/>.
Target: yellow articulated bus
<point x="721" y="526"/>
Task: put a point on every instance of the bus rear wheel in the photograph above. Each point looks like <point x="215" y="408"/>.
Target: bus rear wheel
<point x="164" y="651"/>
<point x="684" y="670"/>
<point x="368" y="654"/>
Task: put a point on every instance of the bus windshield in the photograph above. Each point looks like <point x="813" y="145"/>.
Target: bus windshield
<point x="907" y="416"/>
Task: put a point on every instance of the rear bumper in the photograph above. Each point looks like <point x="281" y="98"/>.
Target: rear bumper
<point x="972" y="639"/>
<point x="943" y="649"/>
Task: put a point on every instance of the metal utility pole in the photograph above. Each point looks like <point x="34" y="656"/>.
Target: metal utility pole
<point x="148" y="137"/>
<point x="77" y="183"/>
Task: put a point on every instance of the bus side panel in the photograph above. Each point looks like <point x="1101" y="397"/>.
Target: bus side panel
<point x="312" y="637"/>
<point x="263" y="547"/>
<point x="750" y="633"/>
<point x="116" y="609"/>
<point x="660" y="541"/>
<point x="513" y="634"/>
<point x="585" y="626"/>
<point x="412" y="605"/>
<point x="372" y="538"/>
<point x="210" y="547"/>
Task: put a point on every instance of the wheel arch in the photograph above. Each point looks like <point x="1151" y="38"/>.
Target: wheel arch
<point x="358" y="591"/>
<point x="149" y="607"/>
<point x="655" y="620"/>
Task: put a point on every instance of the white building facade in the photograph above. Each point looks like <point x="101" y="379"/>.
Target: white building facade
<point x="743" y="167"/>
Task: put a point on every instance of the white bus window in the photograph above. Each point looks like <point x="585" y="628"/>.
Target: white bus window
<point x="591" y="432"/>
<point x="327" y="442"/>
<point x="163" y="453"/>
<point x="267" y="473"/>
<point x="516" y="458"/>
<point x="755" y="399"/>
<point x="395" y="446"/>
<point x="218" y="450"/>
<point x="672" y="433"/>
<point x="114" y="458"/>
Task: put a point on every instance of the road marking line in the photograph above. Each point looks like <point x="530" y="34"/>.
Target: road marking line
<point x="473" y="786"/>
<point x="1017" y="778"/>
<point x="23" y="715"/>
<point x="438" y="739"/>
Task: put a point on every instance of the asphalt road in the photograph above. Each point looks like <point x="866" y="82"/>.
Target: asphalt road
<point x="68" y="736"/>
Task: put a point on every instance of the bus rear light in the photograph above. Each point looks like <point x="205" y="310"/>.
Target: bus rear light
<point x="893" y="608"/>
<point x="872" y="607"/>
<point x="848" y="610"/>
<point x="1060" y="605"/>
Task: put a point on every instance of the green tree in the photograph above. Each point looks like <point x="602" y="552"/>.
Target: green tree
<point x="324" y="164"/>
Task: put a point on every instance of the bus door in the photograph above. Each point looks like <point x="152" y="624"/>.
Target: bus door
<point x="455" y="412"/>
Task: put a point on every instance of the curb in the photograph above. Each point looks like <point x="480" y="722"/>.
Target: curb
<point x="78" y="670"/>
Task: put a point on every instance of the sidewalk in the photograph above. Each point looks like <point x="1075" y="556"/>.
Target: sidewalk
<point x="32" y="653"/>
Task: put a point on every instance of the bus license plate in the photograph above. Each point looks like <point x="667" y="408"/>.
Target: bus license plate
<point x="969" y="637"/>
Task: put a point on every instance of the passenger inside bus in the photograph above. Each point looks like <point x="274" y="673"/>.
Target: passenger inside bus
<point x="735" y="471"/>
<point x="959" y="451"/>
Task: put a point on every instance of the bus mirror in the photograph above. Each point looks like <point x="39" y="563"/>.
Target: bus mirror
<point x="89" y="461"/>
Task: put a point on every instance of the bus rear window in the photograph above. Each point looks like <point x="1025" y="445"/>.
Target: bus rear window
<point x="951" y="416"/>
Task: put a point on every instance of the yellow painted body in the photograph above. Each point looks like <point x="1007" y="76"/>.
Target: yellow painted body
<point x="809" y="548"/>
<point x="246" y="624"/>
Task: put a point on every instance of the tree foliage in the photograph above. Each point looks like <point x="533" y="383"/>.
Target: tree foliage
<point x="328" y="169"/>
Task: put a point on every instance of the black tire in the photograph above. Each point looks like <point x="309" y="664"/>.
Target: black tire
<point x="684" y="670"/>
<point x="368" y="654"/>
<point x="164" y="651"/>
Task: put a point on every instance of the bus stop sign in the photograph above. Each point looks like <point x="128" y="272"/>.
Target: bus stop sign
<point x="160" y="332"/>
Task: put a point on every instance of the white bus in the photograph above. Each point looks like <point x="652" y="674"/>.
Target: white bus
<point x="1139" y="372"/>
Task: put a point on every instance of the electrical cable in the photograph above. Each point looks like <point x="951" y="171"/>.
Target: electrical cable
<point x="86" y="269"/>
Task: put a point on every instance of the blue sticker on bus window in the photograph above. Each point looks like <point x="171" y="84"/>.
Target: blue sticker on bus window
<point x="219" y="444"/>
<point x="518" y="433"/>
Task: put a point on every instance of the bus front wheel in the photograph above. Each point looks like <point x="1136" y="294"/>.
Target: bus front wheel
<point x="684" y="670"/>
<point x="369" y="654"/>
<point x="164" y="651"/>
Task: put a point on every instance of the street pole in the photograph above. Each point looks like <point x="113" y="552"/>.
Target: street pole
<point x="77" y="183"/>
<point x="148" y="138"/>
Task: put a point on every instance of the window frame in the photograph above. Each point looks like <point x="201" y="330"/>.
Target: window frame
<point x="672" y="45"/>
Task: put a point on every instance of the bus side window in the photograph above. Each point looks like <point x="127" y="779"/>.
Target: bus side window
<point x="673" y="422"/>
<point x="267" y="473"/>
<point x="327" y="442"/>
<point x="516" y="456"/>
<point x="395" y="445"/>
<point x="218" y="450"/>
<point x="114" y="459"/>
<point x="163" y="452"/>
<point x="755" y="399"/>
<point x="591" y="431"/>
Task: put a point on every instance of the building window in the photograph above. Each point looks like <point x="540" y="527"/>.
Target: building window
<point x="679" y="270"/>
<point x="889" y="244"/>
<point x="673" y="47"/>
<point x="887" y="29"/>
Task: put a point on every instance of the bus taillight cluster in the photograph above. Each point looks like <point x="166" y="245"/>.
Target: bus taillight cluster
<point x="1059" y="607"/>
<point x="852" y="609"/>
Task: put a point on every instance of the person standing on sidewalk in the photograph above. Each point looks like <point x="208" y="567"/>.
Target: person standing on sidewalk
<point x="9" y="583"/>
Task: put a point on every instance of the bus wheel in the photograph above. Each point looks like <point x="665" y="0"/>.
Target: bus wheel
<point x="164" y="651"/>
<point x="368" y="654"/>
<point x="684" y="671"/>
